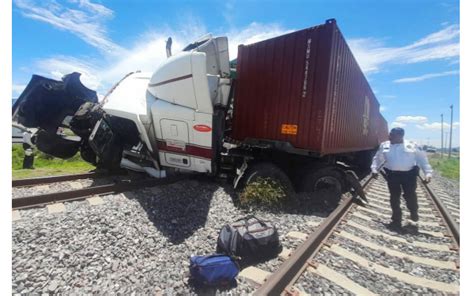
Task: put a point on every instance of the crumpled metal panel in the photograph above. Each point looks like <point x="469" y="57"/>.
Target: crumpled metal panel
<point x="46" y="102"/>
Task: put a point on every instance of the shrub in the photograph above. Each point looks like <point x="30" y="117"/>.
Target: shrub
<point x="263" y="191"/>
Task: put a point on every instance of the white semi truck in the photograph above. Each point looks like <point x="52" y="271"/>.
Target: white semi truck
<point x="182" y="116"/>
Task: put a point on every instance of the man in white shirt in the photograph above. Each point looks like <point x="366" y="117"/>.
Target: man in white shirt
<point x="401" y="160"/>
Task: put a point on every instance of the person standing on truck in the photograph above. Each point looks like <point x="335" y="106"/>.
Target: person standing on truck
<point x="401" y="160"/>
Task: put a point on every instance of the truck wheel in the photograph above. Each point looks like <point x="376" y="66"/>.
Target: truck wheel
<point x="326" y="183"/>
<point x="268" y="170"/>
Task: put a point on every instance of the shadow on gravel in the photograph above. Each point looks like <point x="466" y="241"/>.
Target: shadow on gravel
<point x="205" y="290"/>
<point x="177" y="211"/>
<point x="409" y="229"/>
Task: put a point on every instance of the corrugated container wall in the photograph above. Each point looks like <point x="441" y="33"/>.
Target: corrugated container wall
<point x="307" y="89"/>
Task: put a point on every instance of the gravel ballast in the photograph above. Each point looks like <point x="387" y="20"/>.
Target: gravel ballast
<point x="136" y="242"/>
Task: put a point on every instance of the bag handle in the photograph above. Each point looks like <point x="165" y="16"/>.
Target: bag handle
<point x="248" y="217"/>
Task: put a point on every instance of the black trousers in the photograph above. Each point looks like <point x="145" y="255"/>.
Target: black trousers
<point x="28" y="159"/>
<point x="406" y="181"/>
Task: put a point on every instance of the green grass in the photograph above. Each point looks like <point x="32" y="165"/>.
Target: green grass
<point x="448" y="168"/>
<point x="45" y="165"/>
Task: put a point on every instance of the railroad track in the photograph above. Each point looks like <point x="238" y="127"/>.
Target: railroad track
<point x="117" y="186"/>
<point x="357" y="231"/>
<point x="54" y="179"/>
<point x="421" y="258"/>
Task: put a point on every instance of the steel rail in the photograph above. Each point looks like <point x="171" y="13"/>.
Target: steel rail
<point x="452" y="226"/>
<point x="292" y="268"/>
<point x="43" y="199"/>
<point x="52" y="179"/>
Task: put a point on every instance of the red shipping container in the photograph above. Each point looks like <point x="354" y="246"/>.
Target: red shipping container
<point x="306" y="88"/>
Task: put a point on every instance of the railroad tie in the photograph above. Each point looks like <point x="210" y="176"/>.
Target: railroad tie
<point x="404" y="277"/>
<point x="422" y="215"/>
<point x="75" y="185"/>
<point x="422" y="201"/>
<point x="339" y="279"/>
<point x="56" y="208"/>
<point x="16" y="215"/>
<point x="377" y="198"/>
<point x="454" y="214"/>
<point x="254" y="274"/>
<point x="432" y="233"/>
<point x="368" y="230"/>
<point x="313" y="224"/>
<point x="285" y="253"/>
<point x="95" y="201"/>
<point x="388" y="217"/>
<point x="394" y="253"/>
<point x="42" y="188"/>
<point x="451" y="207"/>
<point x="297" y="235"/>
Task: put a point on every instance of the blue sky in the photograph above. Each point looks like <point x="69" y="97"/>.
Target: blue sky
<point x="409" y="50"/>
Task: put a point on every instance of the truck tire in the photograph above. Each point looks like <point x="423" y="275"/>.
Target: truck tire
<point x="267" y="170"/>
<point x="327" y="183"/>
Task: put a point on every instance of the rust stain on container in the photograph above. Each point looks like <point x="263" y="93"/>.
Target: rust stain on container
<point x="307" y="79"/>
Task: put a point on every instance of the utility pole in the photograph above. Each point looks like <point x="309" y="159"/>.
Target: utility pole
<point x="450" y="131"/>
<point x="442" y="135"/>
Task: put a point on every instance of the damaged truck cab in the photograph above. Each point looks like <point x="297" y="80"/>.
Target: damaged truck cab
<point x="147" y="120"/>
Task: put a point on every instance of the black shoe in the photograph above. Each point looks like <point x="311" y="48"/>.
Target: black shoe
<point x="395" y="225"/>
<point x="414" y="216"/>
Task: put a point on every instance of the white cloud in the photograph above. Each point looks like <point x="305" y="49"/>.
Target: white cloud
<point x="425" y="76"/>
<point x="17" y="89"/>
<point x="436" y="126"/>
<point x="59" y="66"/>
<point x="94" y="8"/>
<point x="397" y="124"/>
<point x="253" y="33"/>
<point x="372" y="54"/>
<point x="86" y="20"/>
<point x="382" y="108"/>
<point x="147" y="53"/>
<point x="411" y="119"/>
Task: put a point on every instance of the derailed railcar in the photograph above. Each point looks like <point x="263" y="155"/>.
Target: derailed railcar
<point x="302" y="113"/>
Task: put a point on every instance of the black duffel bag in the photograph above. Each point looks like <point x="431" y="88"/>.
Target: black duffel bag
<point x="249" y="238"/>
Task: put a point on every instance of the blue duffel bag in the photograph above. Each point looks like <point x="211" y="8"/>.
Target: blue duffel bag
<point x="213" y="270"/>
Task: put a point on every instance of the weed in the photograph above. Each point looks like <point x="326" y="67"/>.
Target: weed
<point x="263" y="191"/>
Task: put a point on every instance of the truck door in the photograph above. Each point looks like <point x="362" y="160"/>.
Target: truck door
<point x="175" y="133"/>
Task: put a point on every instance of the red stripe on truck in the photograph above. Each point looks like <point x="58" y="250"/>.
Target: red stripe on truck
<point x="191" y="150"/>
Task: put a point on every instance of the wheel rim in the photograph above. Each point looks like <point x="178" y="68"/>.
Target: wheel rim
<point x="329" y="189"/>
<point x="327" y="183"/>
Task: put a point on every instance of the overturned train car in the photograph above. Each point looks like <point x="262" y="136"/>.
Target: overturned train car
<point x="299" y="110"/>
